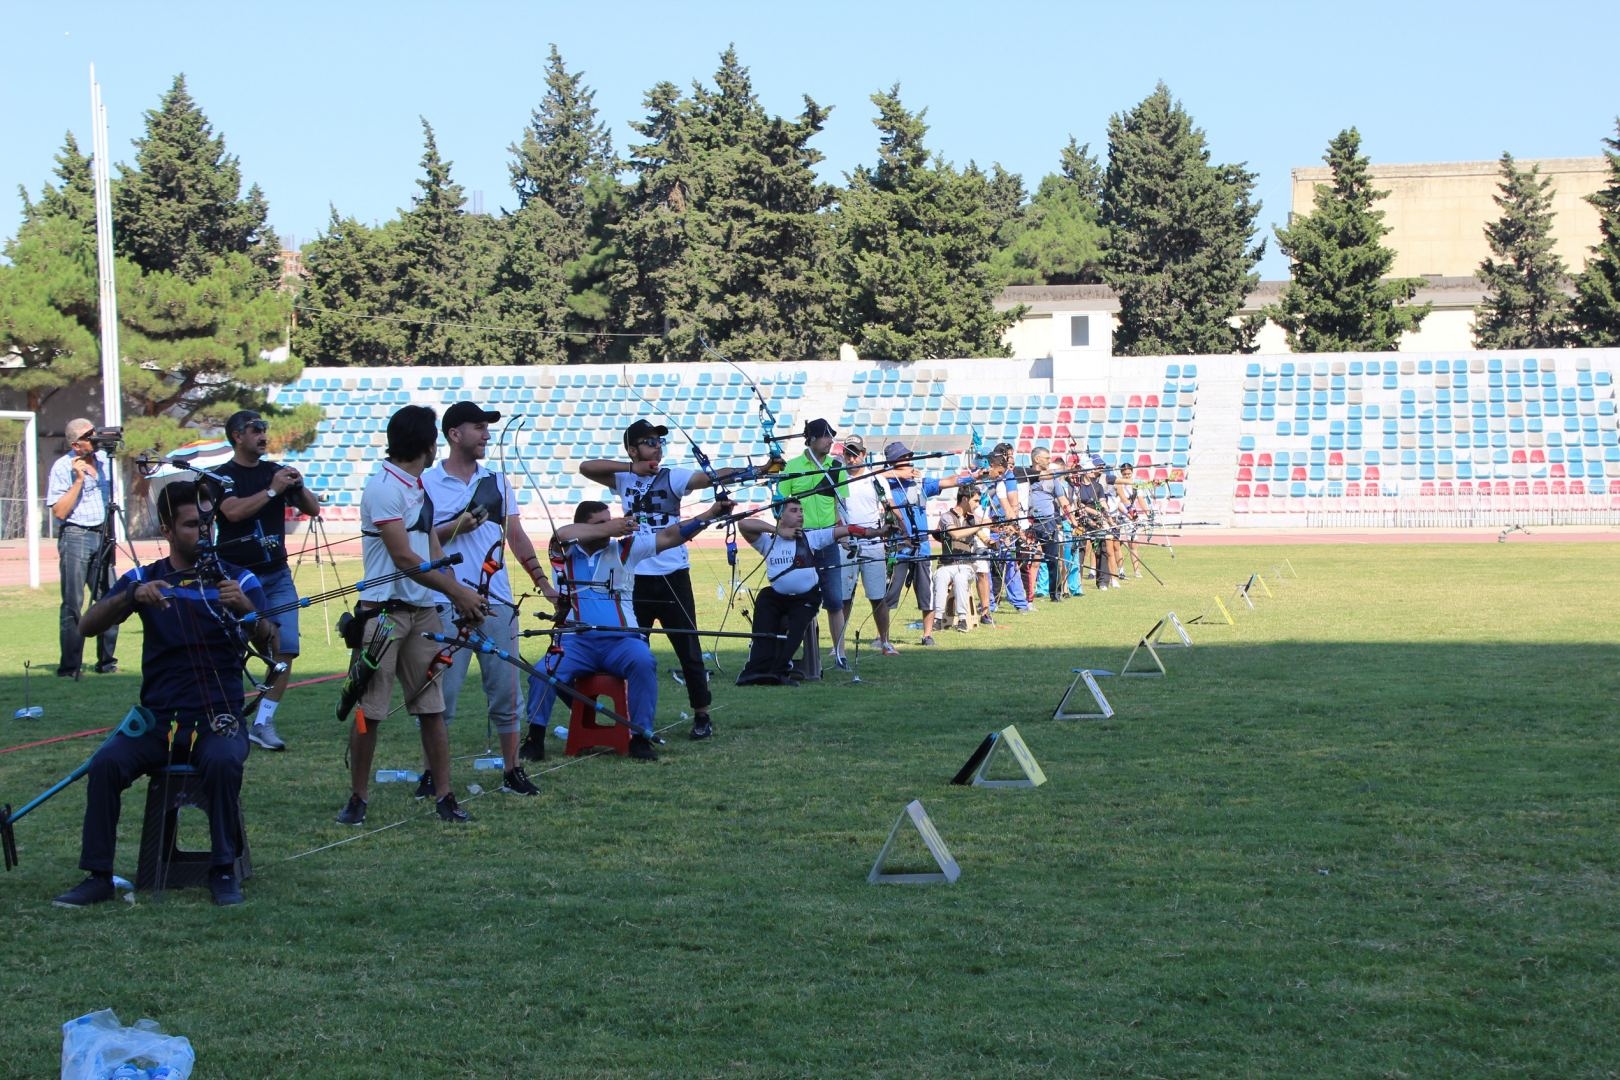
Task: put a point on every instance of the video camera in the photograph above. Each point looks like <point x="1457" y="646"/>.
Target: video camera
<point x="108" y="439"/>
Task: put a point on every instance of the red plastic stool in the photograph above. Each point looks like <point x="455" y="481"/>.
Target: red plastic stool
<point x="585" y="728"/>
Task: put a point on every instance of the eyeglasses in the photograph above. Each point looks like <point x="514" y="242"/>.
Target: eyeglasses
<point x="651" y="443"/>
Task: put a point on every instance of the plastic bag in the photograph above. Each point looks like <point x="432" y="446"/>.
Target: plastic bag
<point x="96" y="1044"/>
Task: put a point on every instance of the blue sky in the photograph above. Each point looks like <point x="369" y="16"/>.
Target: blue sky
<point x="320" y="101"/>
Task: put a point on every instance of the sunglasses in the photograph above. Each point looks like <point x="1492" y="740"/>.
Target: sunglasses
<point x="651" y="443"/>
<point x="257" y="427"/>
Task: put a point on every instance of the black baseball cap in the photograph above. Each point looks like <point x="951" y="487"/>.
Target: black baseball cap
<point x="643" y="429"/>
<point x="239" y="421"/>
<point x="465" y="412"/>
<point x="819" y="429"/>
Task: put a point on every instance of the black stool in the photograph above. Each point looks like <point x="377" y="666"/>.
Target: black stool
<point x="163" y="863"/>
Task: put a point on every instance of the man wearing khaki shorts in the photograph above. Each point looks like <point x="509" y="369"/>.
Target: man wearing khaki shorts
<point x="396" y="534"/>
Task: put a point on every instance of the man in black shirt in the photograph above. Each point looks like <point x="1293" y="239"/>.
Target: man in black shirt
<point x="252" y="534"/>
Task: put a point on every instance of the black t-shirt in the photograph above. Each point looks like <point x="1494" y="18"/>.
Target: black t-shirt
<point x="258" y="542"/>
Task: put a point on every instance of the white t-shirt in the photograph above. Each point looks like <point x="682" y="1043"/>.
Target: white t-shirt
<point x="391" y="494"/>
<point x="450" y="497"/>
<point x="863" y="505"/>
<point x="789" y="570"/>
<point x="629" y="487"/>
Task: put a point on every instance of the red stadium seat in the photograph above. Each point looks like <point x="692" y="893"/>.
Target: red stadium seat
<point x="1066" y="402"/>
<point x="1024" y="447"/>
<point x="1134" y="401"/>
<point x="1537" y="457"/>
<point x="1151" y="401"/>
<point x="1064" y="416"/>
<point x="1246" y="459"/>
<point x="1465" y="489"/>
<point x="1538" y="487"/>
<point x="1519" y="458"/>
<point x="1371" y="473"/>
<point x="1027" y="431"/>
<point x="1558" y="488"/>
<point x="1264" y="461"/>
<point x="1335" y="458"/>
<point x="1244" y="473"/>
<point x="1132" y="431"/>
<point x="1241" y="491"/>
<point x="1044" y="431"/>
<point x="1556" y="470"/>
<point x="1371" y="488"/>
<point x="1262" y="491"/>
<point x="1299" y="473"/>
<point x="1577" y="487"/>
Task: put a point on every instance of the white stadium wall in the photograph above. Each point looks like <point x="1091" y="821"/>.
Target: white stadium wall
<point x="1397" y="440"/>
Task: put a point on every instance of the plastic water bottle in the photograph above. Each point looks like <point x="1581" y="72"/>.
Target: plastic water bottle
<point x="560" y="731"/>
<point x="396" y="776"/>
<point x="165" y="1072"/>
<point x="489" y="763"/>
<point x="127" y="1072"/>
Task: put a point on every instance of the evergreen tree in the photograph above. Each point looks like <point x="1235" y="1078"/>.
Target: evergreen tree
<point x="563" y="149"/>
<point x="74" y="199"/>
<point x="530" y="288"/>
<point x="1058" y="238"/>
<point x="180" y="205"/>
<point x="49" y="304"/>
<point x="915" y="238"/>
<point x="1177" y="251"/>
<point x="446" y="260"/>
<point x="723" y="240"/>
<point x="346" y="309"/>
<point x="1338" y="299"/>
<point x="1597" y="290"/>
<point x="1525" y="306"/>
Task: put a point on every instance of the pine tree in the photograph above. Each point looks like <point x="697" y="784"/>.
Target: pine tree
<point x="446" y="258"/>
<point x="723" y="240"/>
<point x="74" y="198"/>
<point x="1339" y="299"/>
<point x="1597" y="290"/>
<point x="1179" y="229"/>
<point x="180" y="205"/>
<point x="1058" y="239"/>
<point x="346" y="304"/>
<point x="563" y="148"/>
<point x="1525" y="306"/>
<point x="915" y="239"/>
<point x="49" y="304"/>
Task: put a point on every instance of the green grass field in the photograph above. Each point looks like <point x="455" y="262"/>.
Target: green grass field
<point x="1371" y="830"/>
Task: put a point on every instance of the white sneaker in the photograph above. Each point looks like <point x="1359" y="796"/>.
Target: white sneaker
<point x="888" y="649"/>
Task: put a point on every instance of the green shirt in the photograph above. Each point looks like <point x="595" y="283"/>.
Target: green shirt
<point x="805" y="475"/>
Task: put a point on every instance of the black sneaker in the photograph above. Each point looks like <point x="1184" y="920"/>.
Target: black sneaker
<point x="354" y="813"/>
<point x="534" y="744"/>
<point x="447" y="809"/>
<point x="107" y="669"/>
<point x="223" y="884"/>
<point x="516" y="782"/>
<point x="92" y="890"/>
<point x="702" y="728"/>
<point x="985" y="620"/>
<point x="961" y="626"/>
<point x="641" y="748"/>
<point x="424" y="786"/>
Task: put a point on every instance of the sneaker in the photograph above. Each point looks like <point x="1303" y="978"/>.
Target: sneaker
<point x="841" y="663"/>
<point x="961" y="626"/>
<point x="265" y="735"/>
<point x="354" y="813"/>
<point x="1139" y="573"/>
<point x="929" y="640"/>
<point x="641" y="748"/>
<point x="447" y="809"/>
<point x="657" y="739"/>
<point x="534" y="744"/>
<point x="107" y="669"/>
<point x="424" y="786"/>
<point x="887" y="648"/>
<point x="986" y="620"/>
<point x="702" y="726"/>
<point x="92" y="890"/>
<point x="516" y="782"/>
<point x="67" y="673"/>
<point x="223" y="884"/>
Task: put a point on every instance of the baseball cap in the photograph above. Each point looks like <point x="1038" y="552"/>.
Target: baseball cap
<point x="895" y="451"/>
<point x="1097" y="462"/>
<point x="855" y="443"/>
<point x="643" y="429"/>
<point x="78" y="429"/>
<point x="239" y="421"/>
<point x="819" y="429"/>
<point x="465" y="412"/>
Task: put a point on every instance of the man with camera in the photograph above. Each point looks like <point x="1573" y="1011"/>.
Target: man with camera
<point x="253" y="535"/>
<point x="79" y="492"/>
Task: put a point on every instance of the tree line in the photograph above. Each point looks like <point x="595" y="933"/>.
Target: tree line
<point x="712" y="233"/>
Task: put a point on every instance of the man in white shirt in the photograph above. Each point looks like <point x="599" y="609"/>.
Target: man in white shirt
<point x="866" y="505"/>
<point x="475" y="515"/>
<point x="78" y="491"/>
<point x="792" y="592"/>
<point x="396" y="535"/>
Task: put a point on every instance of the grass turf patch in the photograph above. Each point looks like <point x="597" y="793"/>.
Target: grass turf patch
<point x="1368" y="830"/>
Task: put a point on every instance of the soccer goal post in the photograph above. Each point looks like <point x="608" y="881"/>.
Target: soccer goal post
<point x="19" y="477"/>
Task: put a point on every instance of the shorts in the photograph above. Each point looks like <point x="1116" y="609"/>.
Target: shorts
<point x="408" y="657"/>
<point x="279" y="592"/>
<point x="871" y="567"/>
<point x="829" y="568"/>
